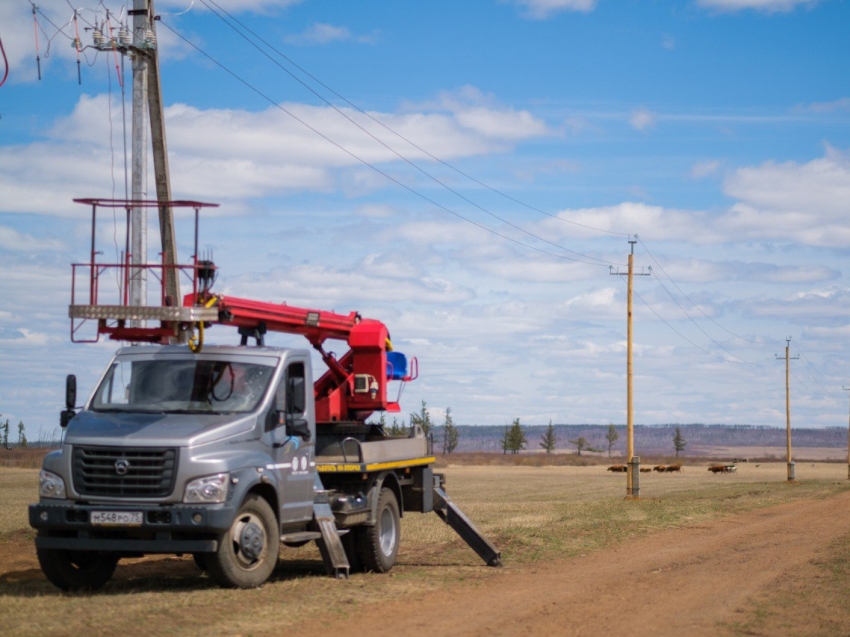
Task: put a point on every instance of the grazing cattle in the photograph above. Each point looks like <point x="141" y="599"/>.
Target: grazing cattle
<point x="618" y="468"/>
<point x="674" y="468"/>
<point x="723" y="468"/>
<point x="645" y="469"/>
<point x="659" y="468"/>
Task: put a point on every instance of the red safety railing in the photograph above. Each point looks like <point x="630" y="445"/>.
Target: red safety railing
<point x="113" y="307"/>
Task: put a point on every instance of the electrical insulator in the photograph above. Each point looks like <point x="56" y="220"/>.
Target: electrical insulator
<point x="124" y="37"/>
<point x="150" y="39"/>
<point x="97" y="36"/>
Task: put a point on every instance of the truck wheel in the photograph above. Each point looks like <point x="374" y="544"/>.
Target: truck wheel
<point x="248" y="552"/>
<point x="378" y="545"/>
<point x="77" y="570"/>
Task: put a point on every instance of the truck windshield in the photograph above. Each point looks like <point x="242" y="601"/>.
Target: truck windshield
<point x="182" y="386"/>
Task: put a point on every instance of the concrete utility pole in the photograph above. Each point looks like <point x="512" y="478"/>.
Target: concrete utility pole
<point x="788" y="360"/>
<point x="147" y="92"/>
<point x="633" y="464"/>
<point x="139" y="214"/>
<point x="848" y="441"/>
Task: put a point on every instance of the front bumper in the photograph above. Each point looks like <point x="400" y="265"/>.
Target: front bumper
<point x="176" y="528"/>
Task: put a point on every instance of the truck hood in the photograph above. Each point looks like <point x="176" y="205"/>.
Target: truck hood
<point x="181" y="430"/>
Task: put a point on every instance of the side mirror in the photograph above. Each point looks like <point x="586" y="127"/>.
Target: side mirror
<point x="65" y="417"/>
<point x="70" y="391"/>
<point x="70" y="401"/>
<point x="298" y="427"/>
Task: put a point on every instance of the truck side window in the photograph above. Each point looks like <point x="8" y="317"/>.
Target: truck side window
<point x="290" y="396"/>
<point x="296" y="399"/>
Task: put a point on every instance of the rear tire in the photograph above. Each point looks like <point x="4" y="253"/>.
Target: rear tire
<point x="247" y="554"/>
<point x="77" y="570"/>
<point x="378" y="545"/>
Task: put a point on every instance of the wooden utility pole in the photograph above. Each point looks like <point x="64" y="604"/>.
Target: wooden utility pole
<point x="633" y="464"/>
<point x="788" y="360"/>
<point x="848" y="440"/>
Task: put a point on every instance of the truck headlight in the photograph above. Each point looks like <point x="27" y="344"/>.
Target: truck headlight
<point x="50" y="485"/>
<point x="209" y="489"/>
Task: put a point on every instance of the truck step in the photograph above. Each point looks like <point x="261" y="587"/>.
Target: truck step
<point x="330" y="546"/>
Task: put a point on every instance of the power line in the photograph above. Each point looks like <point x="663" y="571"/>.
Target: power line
<point x="380" y="123"/>
<point x="408" y="161"/>
<point x="682" y="336"/>
<point x="698" y="326"/>
<point x="660" y="267"/>
<point x="694" y="345"/>
<point x="5" y="63"/>
<point x="372" y="166"/>
<point x="811" y="369"/>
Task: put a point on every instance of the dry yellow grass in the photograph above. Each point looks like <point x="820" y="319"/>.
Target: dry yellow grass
<point x="531" y="513"/>
<point x="18" y="487"/>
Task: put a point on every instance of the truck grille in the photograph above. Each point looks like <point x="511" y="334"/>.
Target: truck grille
<point x="140" y="472"/>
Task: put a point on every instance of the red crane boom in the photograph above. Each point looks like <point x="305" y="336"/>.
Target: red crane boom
<point x="355" y="384"/>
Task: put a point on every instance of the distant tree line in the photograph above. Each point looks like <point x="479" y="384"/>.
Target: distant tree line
<point x="448" y="436"/>
<point x="51" y="438"/>
<point x="4" y="433"/>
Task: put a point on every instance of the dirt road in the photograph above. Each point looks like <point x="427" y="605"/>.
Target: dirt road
<point x="706" y="580"/>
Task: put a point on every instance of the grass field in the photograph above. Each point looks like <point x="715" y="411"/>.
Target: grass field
<point x="531" y="513"/>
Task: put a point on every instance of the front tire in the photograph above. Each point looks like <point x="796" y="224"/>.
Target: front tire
<point x="378" y="545"/>
<point x="248" y="552"/>
<point x="77" y="570"/>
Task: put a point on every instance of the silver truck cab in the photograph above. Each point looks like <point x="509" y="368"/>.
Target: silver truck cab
<point x="182" y="452"/>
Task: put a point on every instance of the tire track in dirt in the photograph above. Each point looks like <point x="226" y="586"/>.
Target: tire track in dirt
<point x="692" y="580"/>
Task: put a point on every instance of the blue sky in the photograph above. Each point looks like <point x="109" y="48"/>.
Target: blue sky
<point x="718" y="131"/>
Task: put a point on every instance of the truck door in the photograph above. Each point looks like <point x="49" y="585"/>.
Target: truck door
<point x="295" y="461"/>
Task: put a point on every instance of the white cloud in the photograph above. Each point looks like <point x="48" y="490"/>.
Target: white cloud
<point x="377" y="211"/>
<point x="800" y="203"/>
<point x="231" y="6"/>
<point x="805" y="203"/>
<point x="705" y="168"/>
<point x="602" y="302"/>
<point x="508" y="124"/>
<point x="14" y="241"/>
<point x="544" y="9"/>
<point x="230" y="154"/>
<point x="767" y="6"/>
<point x="643" y="119"/>
<point x="823" y="304"/>
<point x="654" y="222"/>
<point x="325" y="286"/>
<point x="322" y="33"/>
<point x="842" y="104"/>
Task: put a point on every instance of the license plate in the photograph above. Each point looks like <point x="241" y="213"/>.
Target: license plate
<point x="117" y="518"/>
